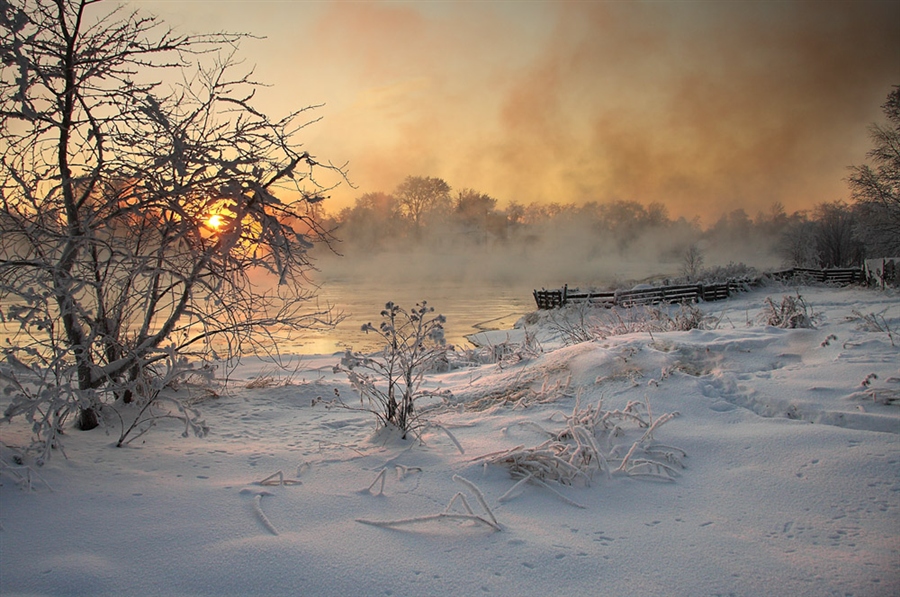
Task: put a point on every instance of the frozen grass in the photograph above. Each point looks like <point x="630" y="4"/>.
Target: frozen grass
<point x="583" y="322"/>
<point x="589" y="446"/>
<point x="873" y="322"/>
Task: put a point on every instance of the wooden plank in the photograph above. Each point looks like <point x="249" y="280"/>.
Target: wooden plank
<point x="548" y="299"/>
<point x="605" y="299"/>
<point x="715" y="292"/>
<point x="628" y="298"/>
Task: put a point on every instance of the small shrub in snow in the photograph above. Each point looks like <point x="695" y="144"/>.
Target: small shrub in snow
<point x="391" y="380"/>
<point x="521" y="394"/>
<point x="46" y="395"/>
<point x="264" y="380"/>
<point x="873" y="322"/>
<point x="575" y="323"/>
<point x="151" y="412"/>
<point x="687" y="317"/>
<point x="732" y="272"/>
<point x="793" y="312"/>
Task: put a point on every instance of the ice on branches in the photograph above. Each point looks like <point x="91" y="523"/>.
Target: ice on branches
<point x="391" y="380"/>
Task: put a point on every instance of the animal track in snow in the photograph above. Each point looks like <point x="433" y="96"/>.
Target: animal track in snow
<point x="724" y="386"/>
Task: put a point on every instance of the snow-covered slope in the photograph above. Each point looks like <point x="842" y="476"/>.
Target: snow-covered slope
<point x="790" y="485"/>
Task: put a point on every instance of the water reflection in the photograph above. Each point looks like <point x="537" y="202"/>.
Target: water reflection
<point x="468" y="309"/>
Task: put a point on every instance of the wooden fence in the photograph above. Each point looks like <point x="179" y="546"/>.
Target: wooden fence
<point x="551" y="299"/>
<point x="841" y="276"/>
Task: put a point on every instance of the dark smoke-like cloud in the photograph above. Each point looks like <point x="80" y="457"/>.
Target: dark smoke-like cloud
<point x="703" y="106"/>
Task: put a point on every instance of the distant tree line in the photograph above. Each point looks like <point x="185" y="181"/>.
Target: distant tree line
<point x="426" y="213"/>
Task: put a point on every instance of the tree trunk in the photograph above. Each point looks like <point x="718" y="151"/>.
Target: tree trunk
<point x="87" y="419"/>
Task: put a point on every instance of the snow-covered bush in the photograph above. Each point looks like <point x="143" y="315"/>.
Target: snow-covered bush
<point x="687" y="317"/>
<point x="575" y="323"/>
<point x="391" y="380"/>
<point x="45" y="394"/>
<point x="730" y="273"/>
<point x="793" y="312"/>
<point x="502" y="353"/>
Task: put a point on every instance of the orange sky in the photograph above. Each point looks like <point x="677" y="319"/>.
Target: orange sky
<point x="704" y="106"/>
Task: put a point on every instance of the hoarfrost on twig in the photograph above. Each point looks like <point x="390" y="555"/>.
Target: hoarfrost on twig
<point x="478" y="495"/>
<point x="451" y="436"/>
<point x="381" y="475"/>
<point x="257" y="507"/>
<point x="509" y="494"/>
<point x="447" y="514"/>
<point x="443" y="515"/>
<point x="277" y="479"/>
<point x="402" y="471"/>
<point x="461" y="498"/>
<point x="558" y="494"/>
<point x="26" y="480"/>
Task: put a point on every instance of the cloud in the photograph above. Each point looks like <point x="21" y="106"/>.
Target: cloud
<point x="703" y="106"/>
<point x="738" y="106"/>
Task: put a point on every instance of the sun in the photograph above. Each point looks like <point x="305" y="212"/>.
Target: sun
<point x="215" y="222"/>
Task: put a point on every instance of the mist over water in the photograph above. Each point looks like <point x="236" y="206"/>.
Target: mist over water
<point x="479" y="287"/>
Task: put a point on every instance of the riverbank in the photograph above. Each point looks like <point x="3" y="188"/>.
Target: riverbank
<point x="783" y="455"/>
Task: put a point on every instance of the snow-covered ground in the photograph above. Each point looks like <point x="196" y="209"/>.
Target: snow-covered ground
<point x="790" y="485"/>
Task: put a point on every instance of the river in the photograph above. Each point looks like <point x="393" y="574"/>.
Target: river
<point x="468" y="308"/>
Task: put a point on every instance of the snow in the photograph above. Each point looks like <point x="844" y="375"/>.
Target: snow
<point x="791" y="483"/>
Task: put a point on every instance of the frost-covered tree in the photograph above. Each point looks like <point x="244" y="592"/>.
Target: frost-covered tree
<point x="834" y="231"/>
<point x="692" y="262"/>
<point x="797" y="243"/>
<point x="419" y="195"/>
<point x="373" y="223"/>
<point x="477" y="216"/>
<point x="141" y="190"/>
<point x="876" y="186"/>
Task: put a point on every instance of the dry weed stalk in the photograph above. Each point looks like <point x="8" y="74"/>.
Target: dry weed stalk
<point x="257" y="508"/>
<point x="277" y="479"/>
<point x="873" y="322"/>
<point x="584" y="323"/>
<point x="487" y="519"/>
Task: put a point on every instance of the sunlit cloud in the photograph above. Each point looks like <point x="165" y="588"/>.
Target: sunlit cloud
<point x="706" y="107"/>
